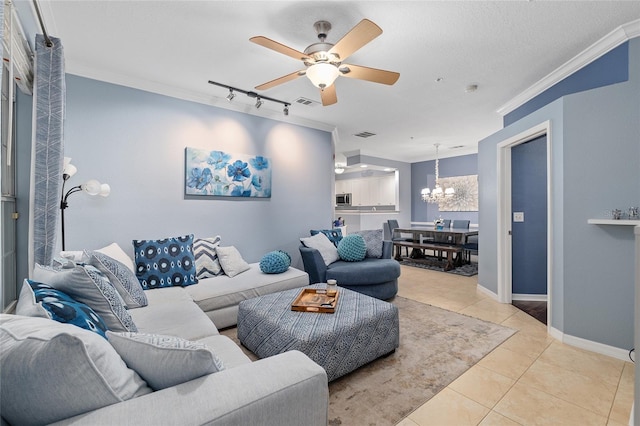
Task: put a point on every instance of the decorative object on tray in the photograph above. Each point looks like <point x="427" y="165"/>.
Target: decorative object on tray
<point x="315" y="300"/>
<point x="224" y="174"/>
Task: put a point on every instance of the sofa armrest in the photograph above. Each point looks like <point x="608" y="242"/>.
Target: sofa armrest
<point x="387" y="249"/>
<point x="313" y="265"/>
<point x="280" y="390"/>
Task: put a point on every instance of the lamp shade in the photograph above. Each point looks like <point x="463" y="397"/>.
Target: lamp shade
<point x="322" y="74"/>
<point x="105" y="190"/>
<point x="92" y="187"/>
<point x="68" y="168"/>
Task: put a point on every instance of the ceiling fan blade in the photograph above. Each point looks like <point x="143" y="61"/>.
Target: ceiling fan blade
<point x="279" y="47"/>
<point x="328" y="95"/>
<point x="280" y="80"/>
<point x="361" y="34"/>
<point x="369" y="74"/>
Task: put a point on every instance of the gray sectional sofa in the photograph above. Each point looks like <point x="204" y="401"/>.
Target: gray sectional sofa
<point x="287" y="389"/>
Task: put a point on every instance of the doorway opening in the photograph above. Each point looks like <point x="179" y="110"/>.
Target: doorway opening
<point x="504" y="225"/>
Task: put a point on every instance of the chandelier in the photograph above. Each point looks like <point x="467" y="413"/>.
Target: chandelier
<point x="438" y="194"/>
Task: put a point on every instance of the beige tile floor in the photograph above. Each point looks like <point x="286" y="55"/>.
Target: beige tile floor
<point x="530" y="379"/>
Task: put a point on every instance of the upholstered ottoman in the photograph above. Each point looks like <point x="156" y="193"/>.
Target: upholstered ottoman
<point x="361" y="329"/>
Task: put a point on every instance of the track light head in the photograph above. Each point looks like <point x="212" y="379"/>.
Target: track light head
<point x="258" y="102"/>
<point x="285" y="110"/>
<point x="231" y="95"/>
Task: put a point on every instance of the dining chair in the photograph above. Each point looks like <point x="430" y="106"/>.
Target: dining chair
<point x="461" y="224"/>
<point x="470" y="247"/>
<point x="397" y="236"/>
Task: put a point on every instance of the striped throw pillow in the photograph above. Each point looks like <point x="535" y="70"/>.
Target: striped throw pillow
<point x="207" y="263"/>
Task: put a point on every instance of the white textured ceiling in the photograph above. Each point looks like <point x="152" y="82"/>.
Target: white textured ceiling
<point x="175" y="47"/>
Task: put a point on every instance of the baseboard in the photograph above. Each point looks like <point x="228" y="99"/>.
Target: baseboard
<point x="600" y="348"/>
<point x="530" y="297"/>
<point x="487" y="292"/>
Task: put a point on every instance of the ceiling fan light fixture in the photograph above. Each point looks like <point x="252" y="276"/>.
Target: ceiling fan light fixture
<point x="322" y="74"/>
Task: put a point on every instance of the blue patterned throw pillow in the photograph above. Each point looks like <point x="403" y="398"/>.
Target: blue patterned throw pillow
<point x="165" y="263"/>
<point x="334" y="235"/>
<point x="352" y="248"/>
<point x="275" y="262"/>
<point x="62" y="308"/>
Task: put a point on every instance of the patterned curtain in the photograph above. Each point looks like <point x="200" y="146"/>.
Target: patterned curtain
<point x="47" y="150"/>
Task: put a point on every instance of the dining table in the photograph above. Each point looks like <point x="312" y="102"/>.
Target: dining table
<point x="444" y="239"/>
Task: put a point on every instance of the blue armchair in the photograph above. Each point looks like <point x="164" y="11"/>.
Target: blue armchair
<point x="372" y="276"/>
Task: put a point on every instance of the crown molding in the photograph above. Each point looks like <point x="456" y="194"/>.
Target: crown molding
<point x="193" y="96"/>
<point x="607" y="43"/>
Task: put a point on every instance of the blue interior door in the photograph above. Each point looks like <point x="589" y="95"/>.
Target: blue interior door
<point x="529" y="217"/>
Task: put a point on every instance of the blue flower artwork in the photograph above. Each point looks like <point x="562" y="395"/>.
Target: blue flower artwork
<point x="225" y="174"/>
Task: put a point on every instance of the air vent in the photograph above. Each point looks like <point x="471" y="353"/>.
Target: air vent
<point x="457" y="147"/>
<point x="364" y="134"/>
<point x="306" y="101"/>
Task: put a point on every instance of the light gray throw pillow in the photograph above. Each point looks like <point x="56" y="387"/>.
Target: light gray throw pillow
<point x="231" y="261"/>
<point x="373" y="240"/>
<point x="320" y="242"/>
<point x="165" y="361"/>
<point x="52" y="371"/>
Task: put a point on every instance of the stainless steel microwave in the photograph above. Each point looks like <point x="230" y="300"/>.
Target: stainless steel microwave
<point x="343" y="199"/>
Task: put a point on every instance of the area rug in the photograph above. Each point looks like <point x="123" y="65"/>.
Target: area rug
<point x="467" y="270"/>
<point x="436" y="347"/>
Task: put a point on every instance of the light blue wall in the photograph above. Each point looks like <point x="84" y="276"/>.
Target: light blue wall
<point x="135" y="141"/>
<point x="423" y="175"/>
<point x="595" y="167"/>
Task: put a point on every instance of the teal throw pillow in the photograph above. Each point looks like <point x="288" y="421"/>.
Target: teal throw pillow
<point x="275" y="262"/>
<point x="352" y="248"/>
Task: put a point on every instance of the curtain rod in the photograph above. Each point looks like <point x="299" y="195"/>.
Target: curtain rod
<point x="47" y="40"/>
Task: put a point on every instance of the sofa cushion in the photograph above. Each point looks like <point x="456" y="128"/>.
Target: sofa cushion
<point x="275" y="262"/>
<point x="227" y="350"/>
<point x="166" y="262"/>
<point x="207" y="263"/>
<point x="176" y="317"/>
<point x="373" y="240"/>
<point x="122" y="278"/>
<point x="52" y="371"/>
<point x="321" y="243"/>
<point x="231" y="261"/>
<point x="87" y="284"/>
<point x="222" y="291"/>
<point x="43" y="301"/>
<point x="368" y="271"/>
<point x="334" y="235"/>
<point x="165" y="361"/>
<point x="352" y="248"/>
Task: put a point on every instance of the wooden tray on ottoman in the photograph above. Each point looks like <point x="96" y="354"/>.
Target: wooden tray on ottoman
<point x="315" y="300"/>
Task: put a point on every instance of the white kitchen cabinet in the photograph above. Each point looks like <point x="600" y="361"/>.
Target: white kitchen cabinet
<point x="369" y="191"/>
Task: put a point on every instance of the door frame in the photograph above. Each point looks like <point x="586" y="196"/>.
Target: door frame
<point x="504" y="212"/>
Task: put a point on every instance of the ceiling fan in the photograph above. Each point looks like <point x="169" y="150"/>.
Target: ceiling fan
<point x="324" y="61"/>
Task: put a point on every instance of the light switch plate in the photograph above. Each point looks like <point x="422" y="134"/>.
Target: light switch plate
<point x="518" y="216"/>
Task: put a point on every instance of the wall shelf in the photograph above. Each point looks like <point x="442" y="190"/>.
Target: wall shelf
<point x="613" y="222"/>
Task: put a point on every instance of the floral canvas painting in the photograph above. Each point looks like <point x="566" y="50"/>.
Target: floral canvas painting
<point x="225" y="174"/>
<point x="465" y="198"/>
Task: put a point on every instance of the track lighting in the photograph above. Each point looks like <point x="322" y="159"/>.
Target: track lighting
<point x="259" y="98"/>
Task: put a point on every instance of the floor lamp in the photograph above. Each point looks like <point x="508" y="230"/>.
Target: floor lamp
<point x="91" y="187"/>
